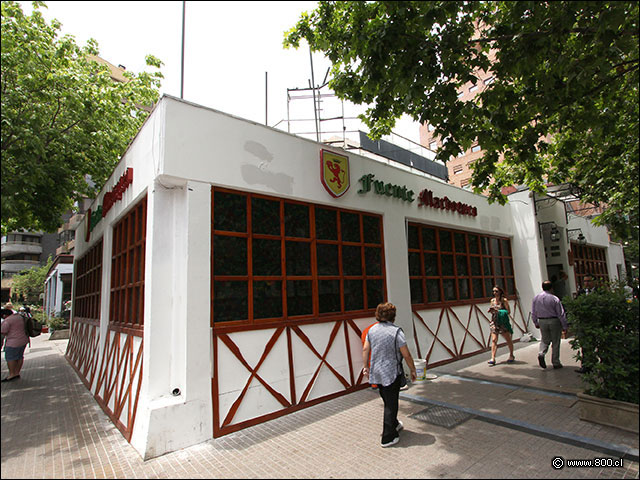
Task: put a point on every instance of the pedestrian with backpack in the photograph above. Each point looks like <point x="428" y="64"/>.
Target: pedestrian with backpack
<point x="15" y="340"/>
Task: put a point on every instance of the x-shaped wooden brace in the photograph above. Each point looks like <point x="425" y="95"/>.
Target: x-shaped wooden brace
<point x="236" y="351"/>
<point x="322" y="358"/>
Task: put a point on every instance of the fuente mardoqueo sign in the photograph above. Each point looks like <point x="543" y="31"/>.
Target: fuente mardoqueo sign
<point x="425" y="198"/>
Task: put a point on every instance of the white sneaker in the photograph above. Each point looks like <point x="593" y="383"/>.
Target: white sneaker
<point x="400" y="426"/>
<point x="392" y="442"/>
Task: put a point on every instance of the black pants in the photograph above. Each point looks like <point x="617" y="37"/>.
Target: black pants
<point x="390" y="395"/>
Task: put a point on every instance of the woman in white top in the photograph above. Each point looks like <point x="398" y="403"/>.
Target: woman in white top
<point x="388" y="346"/>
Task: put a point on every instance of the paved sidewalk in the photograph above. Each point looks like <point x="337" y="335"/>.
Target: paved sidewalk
<point x="507" y="421"/>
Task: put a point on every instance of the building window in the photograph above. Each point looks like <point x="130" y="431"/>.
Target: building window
<point x="457" y="169"/>
<point x="275" y="259"/>
<point x="454" y="267"/>
<point x="589" y="261"/>
<point x="433" y="146"/>
<point x="88" y="275"/>
<point x="473" y="88"/>
<point x="126" y="308"/>
<point x="460" y="95"/>
<point x="431" y="128"/>
<point x="465" y="183"/>
<point x="489" y="81"/>
<point x="476" y="148"/>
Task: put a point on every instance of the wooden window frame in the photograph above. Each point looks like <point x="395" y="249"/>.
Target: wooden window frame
<point x="314" y="277"/>
<point x="589" y="260"/>
<point x="88" y="284"/>
<point x="499" y="279"/>
<point x="126" y="306"/>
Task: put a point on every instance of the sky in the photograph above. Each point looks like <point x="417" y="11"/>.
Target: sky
<point x="228" y="48"/>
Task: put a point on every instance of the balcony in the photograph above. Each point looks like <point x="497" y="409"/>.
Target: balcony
<point x="12" y="248"/>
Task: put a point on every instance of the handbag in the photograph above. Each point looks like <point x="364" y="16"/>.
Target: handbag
<point x="403" y="376"/>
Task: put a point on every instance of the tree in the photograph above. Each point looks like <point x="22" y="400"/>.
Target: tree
<point x="563" y="107"/>
<point x="64" y="120"/>
<point x="29" y="283"/>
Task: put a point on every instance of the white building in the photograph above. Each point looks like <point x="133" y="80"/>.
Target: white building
<point x="226" y="271"/>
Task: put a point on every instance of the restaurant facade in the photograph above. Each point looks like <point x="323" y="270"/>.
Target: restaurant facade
<point x="224" y="274"/>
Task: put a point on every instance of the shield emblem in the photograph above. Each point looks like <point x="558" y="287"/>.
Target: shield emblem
<point x="334" y="173"/>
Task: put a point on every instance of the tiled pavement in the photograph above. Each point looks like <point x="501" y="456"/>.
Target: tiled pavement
<point x="53" y="428"/>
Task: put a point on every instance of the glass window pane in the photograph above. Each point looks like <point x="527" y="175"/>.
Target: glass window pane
<point x="265" y="216"/>
<point x="447" y="264"/>
<point x="298" y="258"/>
<point x="461" y="265"/>
<point x="416" y="291"/>
<point x="326" y="224"/>
<point x="371" y="227"/>
<point x="433" y="291"/>
<point x="373" y="261"/>
<point x="449" y="286"/>
<point x="463" y="288"/>
<point x="506" y="248"/>
<point x="486" y="265"/>
<point x="299" y="298"/>
<point x="351" y="260"/>
<point x="473" y="244"/>
<point x="461" y="245"/>
<point x="230" y="301"/>
<point x="266" y="257"/>
<point x="511" y="286"/>
<point x="495" y="246"/>
<point x="353" y="295"/>
<point x="445" y="241"/>
<point x="508" y="266"/>
<point x="296" y="220"/>
<point x="414" y="264"/>
<point x="327" y="259"/>
<point x="476" y="269"/>
<point x="329" y="295"/>
<point x="477" y="288"/>
<point x="413" y="238"/>
<point x="431" y="264"/>
<point x="488" y="286"/>
<point x="229" y="255"/>
<point x="350" y="227"/>
<point x="267" y="299"/>
<point x="497" y="266"/>
<point x="229" y="212"/>
<point x="484" y="242"/>
<point x="374" y="293"/>
<point x="428" y="239"/>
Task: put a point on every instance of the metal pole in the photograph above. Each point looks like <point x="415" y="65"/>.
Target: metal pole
<point x="182" y="60"/>
<point x="266" y="98"/>
<point x="313" y="86"/>
<point x="288" y="117"/>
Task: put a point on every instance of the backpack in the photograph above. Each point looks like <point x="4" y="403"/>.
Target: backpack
<point x="32" y="327"/>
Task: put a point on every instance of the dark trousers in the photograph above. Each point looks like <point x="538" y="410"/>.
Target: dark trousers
<point x="390" y="395"/>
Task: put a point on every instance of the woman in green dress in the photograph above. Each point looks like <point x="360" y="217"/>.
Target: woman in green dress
<point x="500" y="324"/>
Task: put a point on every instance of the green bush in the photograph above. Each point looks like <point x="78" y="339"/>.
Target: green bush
<point x="605" y="326"/>
<point x="57" y="323"/>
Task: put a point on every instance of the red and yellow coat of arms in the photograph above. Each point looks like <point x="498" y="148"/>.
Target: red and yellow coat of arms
<point x="334" y="173"/>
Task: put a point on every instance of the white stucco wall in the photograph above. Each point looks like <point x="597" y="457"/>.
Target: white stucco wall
<point x="180" y="152"/>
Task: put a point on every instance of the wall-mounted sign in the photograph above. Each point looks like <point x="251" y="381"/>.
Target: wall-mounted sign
<point x="116" y="192"/>
<point x="334" y="173"/>
<point x="427" y="199"/>
<point x="382" y="188"/>
<point x="92" y="218"/>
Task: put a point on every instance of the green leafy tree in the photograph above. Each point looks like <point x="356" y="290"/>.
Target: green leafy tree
<point x="64" y="119"/>
<point x="563" y="107"/>
<point x="28" y="285"/>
